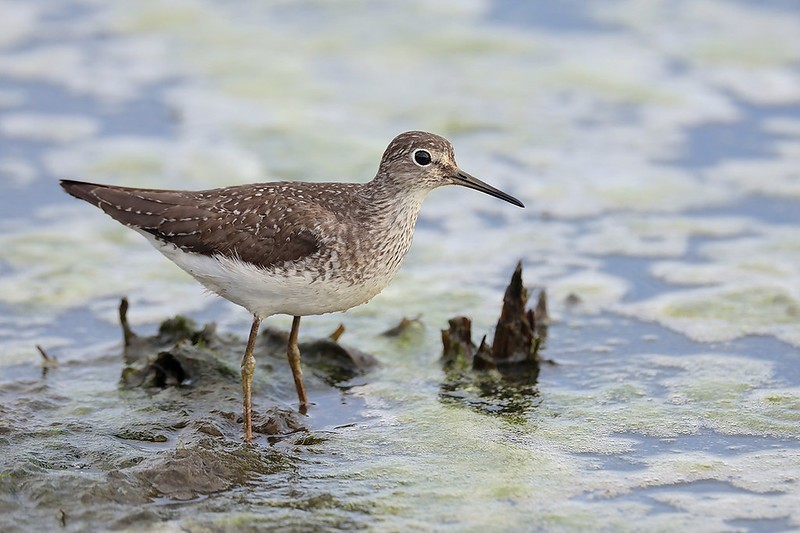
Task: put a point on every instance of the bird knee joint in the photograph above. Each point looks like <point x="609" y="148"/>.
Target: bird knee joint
<point x="249" y="366"/>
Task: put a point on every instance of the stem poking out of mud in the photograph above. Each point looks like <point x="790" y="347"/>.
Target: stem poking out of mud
<point x="519" y="334"/>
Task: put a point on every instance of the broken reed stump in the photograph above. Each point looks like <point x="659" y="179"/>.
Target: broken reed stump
<point x="457" y="341"/>
<point x="518" y="335"/>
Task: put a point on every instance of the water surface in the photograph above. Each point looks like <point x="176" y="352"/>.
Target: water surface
<point x="655" y="144"/>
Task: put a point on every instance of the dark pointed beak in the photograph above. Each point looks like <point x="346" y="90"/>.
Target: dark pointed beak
<point x="462" y="178"/>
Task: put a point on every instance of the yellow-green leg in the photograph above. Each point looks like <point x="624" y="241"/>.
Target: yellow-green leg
<point x="294" y="362"/>
<point x="248" y="369"/>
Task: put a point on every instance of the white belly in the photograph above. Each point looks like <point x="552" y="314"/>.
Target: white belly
<point x="289" y="291"/>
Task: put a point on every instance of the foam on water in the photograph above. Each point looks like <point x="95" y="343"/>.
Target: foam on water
<point x="663" y="411"/>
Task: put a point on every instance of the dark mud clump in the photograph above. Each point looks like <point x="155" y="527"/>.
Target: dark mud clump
<point x="207" y="468"/>
<point x="193" y="372"/>
<point x="84" y="448"/>
<point x="193" y="378"/>
<point x="329" y="360"/>
<point x="205" y="366"/>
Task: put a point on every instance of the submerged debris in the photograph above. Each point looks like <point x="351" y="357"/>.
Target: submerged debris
<point x="127" y="333"/>
<point x="514" y="357"/>
<point x="337" y="333"/>
<point x="457" y="340"/>
<point x="48" y="360"/>
<point x="336" y="361"/>
<point x="404" y="327"/>
<point x="518" y="336"/>
<point x="205" y="364"/>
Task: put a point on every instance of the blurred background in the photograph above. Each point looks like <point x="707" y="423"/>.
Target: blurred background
<point x="656" y="145"/>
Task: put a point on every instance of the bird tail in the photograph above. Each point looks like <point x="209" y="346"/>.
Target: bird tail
<point x="140" y="208"/>
<point x="82" y="190"/>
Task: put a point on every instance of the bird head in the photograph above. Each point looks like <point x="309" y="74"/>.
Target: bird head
<point x="422" y="161"/>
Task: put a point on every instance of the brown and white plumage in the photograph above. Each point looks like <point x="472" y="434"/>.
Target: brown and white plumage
<point x="293" y="247"/>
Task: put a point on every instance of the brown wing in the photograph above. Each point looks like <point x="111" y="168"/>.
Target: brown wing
<point x="252" y="222"/>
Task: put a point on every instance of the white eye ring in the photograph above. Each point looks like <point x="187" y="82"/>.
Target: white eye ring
<point x="421" y="157"/>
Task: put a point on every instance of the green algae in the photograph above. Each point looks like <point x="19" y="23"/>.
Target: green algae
<point x="754" y="307"/>
<point x="408" y="446"/>
<point x="727" y="311"/>
<point x="600" y="82"/>
<point x="741" y="52"/>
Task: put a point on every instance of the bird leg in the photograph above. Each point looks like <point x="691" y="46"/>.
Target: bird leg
<point x="294" y="362"/>
<point x="248" y="369"/>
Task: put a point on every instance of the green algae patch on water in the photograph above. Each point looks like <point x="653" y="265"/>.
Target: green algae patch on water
<point x="656" y="235"/>
<point x="748" y="286"/>
<point x="48" y="127"/>
<point x="595" y="291"/>
<point x="612" y="436"/>
<point x="777" y="176"/>
<point x="735" y="47"/>
<point x="48" y="250"/>
<point x="146" y="161"/>
<point x="726" y="312"/>
<point x="753" y="306"/>
<point x="202" y="35"/>
<point x="663" y="397"/>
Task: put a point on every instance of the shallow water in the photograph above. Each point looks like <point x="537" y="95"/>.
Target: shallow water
<point x="655" y="144"/>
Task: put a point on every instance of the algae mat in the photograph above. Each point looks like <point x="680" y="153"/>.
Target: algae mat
<point x="656" y="145"/>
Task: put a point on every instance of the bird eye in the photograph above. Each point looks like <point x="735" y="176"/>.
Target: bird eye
<point x="422" y="158"/>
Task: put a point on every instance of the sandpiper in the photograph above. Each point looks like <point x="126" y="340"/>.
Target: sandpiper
<point x="292" y="248"/>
